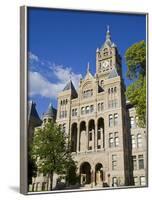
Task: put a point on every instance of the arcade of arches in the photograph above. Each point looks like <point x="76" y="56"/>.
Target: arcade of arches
<point x="87" y="136"/>
<point x="89" y="175"/>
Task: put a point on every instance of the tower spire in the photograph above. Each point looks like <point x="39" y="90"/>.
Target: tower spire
<point x="108" y="35"/>
<point x="88" y="67"/>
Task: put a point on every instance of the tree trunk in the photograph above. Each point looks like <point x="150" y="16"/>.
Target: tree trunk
<point x="51" y="180"/>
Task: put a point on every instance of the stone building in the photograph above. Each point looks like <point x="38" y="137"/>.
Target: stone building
<point x="109" y="147"/>
<point x="96" y="118"/>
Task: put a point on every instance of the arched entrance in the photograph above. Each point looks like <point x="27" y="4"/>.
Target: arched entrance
<point x="100" y="134"/>
<point x="99" y="174"/>
<point x="85" y="173"/>
<point x="74" y="137"/>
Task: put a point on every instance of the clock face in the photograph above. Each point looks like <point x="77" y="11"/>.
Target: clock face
<point x="105" y="64"/>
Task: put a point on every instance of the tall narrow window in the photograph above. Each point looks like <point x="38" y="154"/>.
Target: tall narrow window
<point x="82" y="110"/>
<point x="115" y="119"/>
<point x="87" y="109"/>
<point x="90" y="136"/>
<point x="136" y="119"/>
<point x="114" y="162"/>
<point x="72" y="112"/>
<point x="132" y="123"/>
<point x="139" y="140"/>
<point x="99" y="135"/>
<point x="76" y="112"/>
<point x="116" y="139"/>
<point x="141" y="161"/>
<point x="91" y="108"/>
<point x="134" y="160"/>
<point x="135" y="180"/>
<point x="114" y="181"/>
<point x="110" y="120"/>
<point x="99" y="106"/>
<point x="102" y="106"/>
<point x="65" y="113"/>
<point x="142" y="180"/>
<point x="133" y="141"/>
<point x="115" y="89"/>
<point x="111" y="140"/>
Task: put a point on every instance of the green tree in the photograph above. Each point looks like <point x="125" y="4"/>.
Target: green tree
<point x="136" y="92"/>
<point x="136" y="60"/>
<point x="32" y="167"/>
<point x="52" y="151"/>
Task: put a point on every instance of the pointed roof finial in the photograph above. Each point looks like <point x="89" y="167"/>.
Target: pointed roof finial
<point x="88" y="67"/>
<point x="50" y="104"/>
<point x="108" y="36"/>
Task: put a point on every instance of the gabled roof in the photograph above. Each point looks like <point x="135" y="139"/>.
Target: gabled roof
<point x="88" y="74"/>
<point x="51" y="112"/>
<point x="113" y="73"/>
<point x="32" y="112"/>
<point x="71" y="87"/>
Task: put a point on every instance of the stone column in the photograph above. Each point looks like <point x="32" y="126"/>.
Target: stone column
<point x="92" y="178"/>
<point x="78" y="137"/>
<point x="102" y="139"/>
<point x="87" y="136"/>
<point x="95" y="136"/>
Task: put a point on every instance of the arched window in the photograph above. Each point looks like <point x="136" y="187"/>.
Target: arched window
<point x="99" y="106"/>
<point x="82" y="110"/>
<point x="115" y="89"/>
<point x="91" y="108"/>
<point x="109" y="91"/>
<point x="87" y="109"/>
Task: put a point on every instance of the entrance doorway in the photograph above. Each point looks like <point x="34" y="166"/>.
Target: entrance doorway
<point x="85" y="173"/>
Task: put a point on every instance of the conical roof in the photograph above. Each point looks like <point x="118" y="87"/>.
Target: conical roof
<point x="32" y="112"/>
<point x="50" y="113"/>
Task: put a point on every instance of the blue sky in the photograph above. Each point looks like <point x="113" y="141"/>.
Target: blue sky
<point x="61" y="43"/>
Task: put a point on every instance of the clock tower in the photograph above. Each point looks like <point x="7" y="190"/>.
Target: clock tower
<point x="107" y="58"/>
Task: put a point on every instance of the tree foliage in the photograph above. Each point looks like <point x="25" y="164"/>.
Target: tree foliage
<point x="136" y="92"/>
<point x="32" y="167"/>
<point x="136" y="60"/>
<point x="52" y="151"/>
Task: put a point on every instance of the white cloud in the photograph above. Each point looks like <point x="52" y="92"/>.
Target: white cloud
<point x="40" y="85"/>
<point x="65" y="74"/>
<point x="33" y="57"/>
